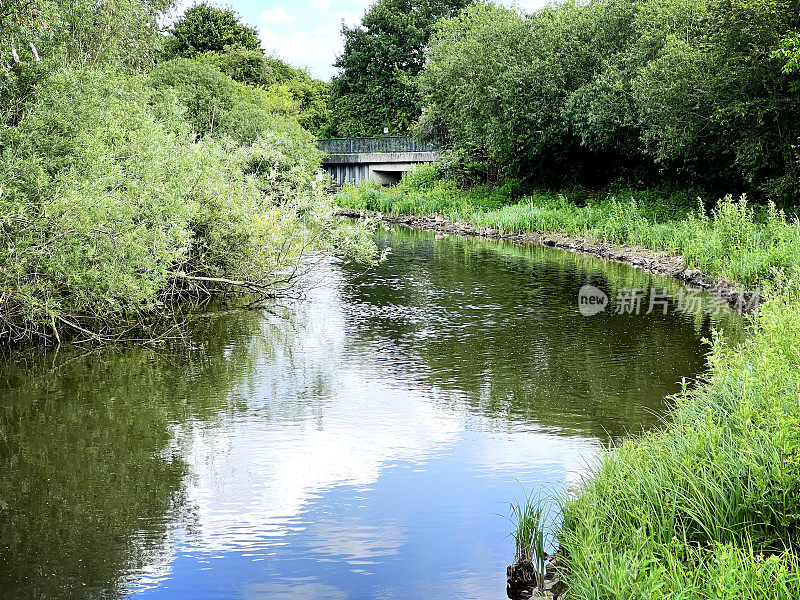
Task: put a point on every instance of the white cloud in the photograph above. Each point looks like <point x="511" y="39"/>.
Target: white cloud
<point x="315" y="49"/>
<point x="322" y="5"/>
<point x="276" y="16"/>
<point x="302" y="49"/>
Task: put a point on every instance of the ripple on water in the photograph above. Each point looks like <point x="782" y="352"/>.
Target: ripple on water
<point x="364" y="443"/>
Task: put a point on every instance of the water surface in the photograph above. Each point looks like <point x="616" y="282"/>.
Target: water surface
<point x="363" y="443"/>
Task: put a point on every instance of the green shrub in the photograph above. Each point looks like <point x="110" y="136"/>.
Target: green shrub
<point x="205" y="91"/>
<point x="109" y="206"/>
<point x="242" y="65"/>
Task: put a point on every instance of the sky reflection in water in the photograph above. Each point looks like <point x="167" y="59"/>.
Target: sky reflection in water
<point x="364" y="443"/>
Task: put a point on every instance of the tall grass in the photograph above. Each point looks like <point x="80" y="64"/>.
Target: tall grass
<point x="734" y="241"/>
<point x="709" y="507"/>
<point x="530" y="518"/>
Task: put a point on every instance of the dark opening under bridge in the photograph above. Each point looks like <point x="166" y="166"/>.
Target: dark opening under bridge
<point x="379" y="159"/>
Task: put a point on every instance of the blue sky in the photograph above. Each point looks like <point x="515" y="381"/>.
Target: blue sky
<point x="306" y="33"/>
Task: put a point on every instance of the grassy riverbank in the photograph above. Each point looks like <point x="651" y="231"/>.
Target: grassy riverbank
<point x="710" y="506"/>
<point x="730" y="239"/>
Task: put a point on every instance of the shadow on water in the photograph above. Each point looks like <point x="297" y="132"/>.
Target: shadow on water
<point x="355" y="445"/>
<point x="91" y="474"/>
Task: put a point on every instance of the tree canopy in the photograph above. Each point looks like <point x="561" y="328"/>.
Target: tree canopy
<point x="695" y="92"/>
<point x="376" y="85"/>
<point x="206" y="28"/>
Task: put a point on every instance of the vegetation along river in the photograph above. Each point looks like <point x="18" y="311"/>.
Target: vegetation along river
<point x="361" y="443"/>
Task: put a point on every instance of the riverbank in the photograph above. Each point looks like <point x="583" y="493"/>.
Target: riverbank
<point x="708" y="507"/>
<point x="729" y="239"/>
<point x="648" y="260"/>
<point x="115" y="205"/>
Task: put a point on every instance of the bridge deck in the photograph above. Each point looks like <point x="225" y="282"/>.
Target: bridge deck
<point x="379" y="159"/>
<point x="370" y="145"/>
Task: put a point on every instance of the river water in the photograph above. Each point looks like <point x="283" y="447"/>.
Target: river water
<point x="362" y="443"/>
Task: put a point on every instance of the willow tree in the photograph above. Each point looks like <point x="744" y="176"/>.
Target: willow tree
<point x="19" y="18"/>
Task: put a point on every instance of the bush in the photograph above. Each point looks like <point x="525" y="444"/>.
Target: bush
<point x="217" y="105"/>
<point x="206" y="92"/>
<point x="245" y="66"/>
<point x="110" y="207"/>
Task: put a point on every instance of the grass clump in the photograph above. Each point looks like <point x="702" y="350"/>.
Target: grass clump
<point x="530" y="518"/>
<point x="709" y="507"/>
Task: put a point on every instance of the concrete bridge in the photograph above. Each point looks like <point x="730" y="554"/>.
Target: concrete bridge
<point x="379" y="159"/>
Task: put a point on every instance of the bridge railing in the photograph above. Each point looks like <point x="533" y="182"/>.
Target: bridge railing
<point x="366" y="145"/>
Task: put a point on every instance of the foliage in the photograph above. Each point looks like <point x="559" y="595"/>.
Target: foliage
<point x="46" y="35"/>
<point x="206" y="28"/>
<point x="312" y="98"/>
<point x="17" y="18"/>
<point x="122" y="192"/>
<point x="789" y="51"/>
<point x="376" y="85"/>
<point x="661" y="90"/>
<point x="242" y="65"/>
<point x="708" y="508"/>
<point x="110" y="207"/>
<point x="486" y="73"/>
<point x="120" y="32"/>
<point x="280" y="87"/>
<point x="214" y="102"/>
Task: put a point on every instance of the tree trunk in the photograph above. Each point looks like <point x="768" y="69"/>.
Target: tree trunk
<point x="35" y="52"/>
<point x="14" y="54"/>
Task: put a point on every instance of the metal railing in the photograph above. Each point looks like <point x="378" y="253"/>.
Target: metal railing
<point x="367" y="145"/>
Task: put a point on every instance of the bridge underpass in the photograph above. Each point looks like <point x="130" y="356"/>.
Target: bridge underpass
<point x="379" y="159"/>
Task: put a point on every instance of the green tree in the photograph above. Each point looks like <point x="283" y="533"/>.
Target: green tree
<point x="755" y="107"/>
<point x="789" y="52"/>
<point x="206" y="28"/>
<point x="497" y="82"/>
<point x="245" y="66"/>
<point x="694" y="92"/>
<point x="376" y="85"/>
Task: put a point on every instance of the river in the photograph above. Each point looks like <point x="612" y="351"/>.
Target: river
<point x="361" y="443"/>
